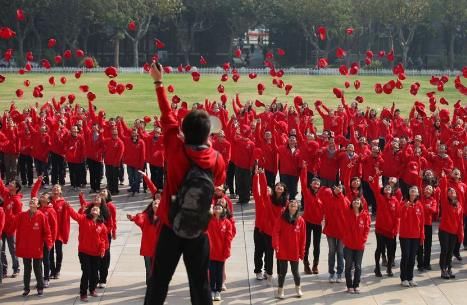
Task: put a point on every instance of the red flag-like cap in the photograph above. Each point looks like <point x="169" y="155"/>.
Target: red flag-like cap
<point x="52" y="80"/>
<point x="280" y="52"/>
<point x="323" y="63"/>
<point x="79" y="53"/>
<point x="349" y="31"/>
<point x="343" y="70"/>
<point x="298" y="101"/>
<point x="26" y="82"/>
<point x="175" y="99"/>
<point x="168" y="69"/>
<point x="129" y="86"/>
<point x="337" y="92"/>
<point x="288" y="88"/>
<point x="131" y="26"/>
<point x="261" y="88"/>
<point x="52" y="42"/>
<point x="67" y="54"/>
<point x="159" y="44"/>
<point x="20" y="15"/>
<point x="223" y="99"/>
<point x="111" y="72"/>
<point x="236" y="77"/>
<point x="220" y="88"/>
<point x="195" y="75"/>
<point x="443" y="101"/>
<point x="378" y="88"/>
<point x="340" y="53"/>
<point x="58" y="59"/>
<point x="63" y="80"/>
<point x="84" y="88"/>
<point x="252" y="75"/>
<point x="19" y="93"/>
<point x="171" y="88"/>
<point x="322" y="33"/>
<point x="258" y="104"/>
<point x="347" y="84"/>
<point x="202" y="61"/>
<point x="224" y="77"/>
<point x="89" y="63"/>
<point x="6" y="33"/>
<point x="238" y="52"/>
<point x="359" y="99"/>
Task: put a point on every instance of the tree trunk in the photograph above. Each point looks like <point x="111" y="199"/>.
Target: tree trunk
<point x="135" y="53"/>
<point x="117" y="52"/>
<point x="451" y="50"/>
<point x="405" y="51"/>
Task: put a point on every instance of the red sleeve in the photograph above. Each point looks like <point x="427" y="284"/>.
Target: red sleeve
<point x="36" y="187"/>
<point x="152" y="188"/>
<point x="302" y="239"/>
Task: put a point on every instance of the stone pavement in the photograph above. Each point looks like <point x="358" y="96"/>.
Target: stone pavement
<point x="126" y="275"/>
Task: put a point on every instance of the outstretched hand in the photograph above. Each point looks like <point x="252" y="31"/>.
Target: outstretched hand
<point x="156" y="71"/>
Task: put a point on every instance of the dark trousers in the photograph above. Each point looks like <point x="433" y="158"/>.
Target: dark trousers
<point x="404" y="188"/>
<point x="316" y="230"/>
<point x="121" y="173"/>
<point x="448" y="242"/>
<point x="42" y="169"/>
<point x="383" y="243"/>
<point x="196" y="257"/>
<point x="89" y="266"/>
<point x="409" y="249"/>
<point x="56" y="266"/>
<point x="147" y="266"/>
<point x="76" y="173"/>
<point x="46" y="262"/>
<point x="369" y="196"/>
<point x="243" y="179"/>
<point x="216" y="273"/>
<point x="58" y="168"/>
<point x="353" y="260"/>
<point x="104" y="264"/>
<point x="424" y="252"/>
<point x="111" y="173"/>
<point x="230" y="178"/>
<point x="465" y="231"/>
<point x="11" y="166"/>
<point x="1" y="274"/>
<point x="292" y="183"/>
<point x="282" y="267"/>
<point x="11" y="242"/>
<point x="157" y="176"/>
<point x="95" y="174"/>
<point x="25" y="169"/>
<point x="268" y="254"/>
<point x="270" y="178"/>
<point x="260" y="249"/>
<point x="134" y="178"/>
<point x="29" y="263"/>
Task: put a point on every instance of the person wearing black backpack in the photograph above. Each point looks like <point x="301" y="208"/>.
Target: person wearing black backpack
<point x="194" y="168"/>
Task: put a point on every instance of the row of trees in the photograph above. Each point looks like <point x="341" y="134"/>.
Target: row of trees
<point x="210" y="26"/>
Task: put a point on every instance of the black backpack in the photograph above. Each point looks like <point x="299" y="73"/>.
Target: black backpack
<point x="190" y="209"/>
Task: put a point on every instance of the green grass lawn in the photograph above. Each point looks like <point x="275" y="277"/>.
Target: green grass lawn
<point x="141" y="100"/>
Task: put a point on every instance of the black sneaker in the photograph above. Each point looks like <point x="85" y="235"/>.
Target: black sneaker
<point x="420" y="269"/>
<point x="26" y="292"/>
<point x="458" y="257"/>
<point x="15" y="274"/>
<point x="428" y="267"/>
<point x="40" y="292"/>
<point x="378" y="272"/>
<point x="385" y="262"/>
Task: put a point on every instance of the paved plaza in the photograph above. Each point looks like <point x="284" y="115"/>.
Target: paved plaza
<point x="126" y="284"/>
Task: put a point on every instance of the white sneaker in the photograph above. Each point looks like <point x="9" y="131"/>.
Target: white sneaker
<point x="217" y="296"/>
<point x="280" y="293"/>
<point x="412" y="283"/>
<point x="46" y="284"/>
<point x="405" y="284"/>
<point x="332" y="278"/>
<point x="259" y="276"/>
<point x="269" y="280"/>
<point x="224" y="287"/>
<point x="213" y="294"/>
<point x="339" y="279"/>
<point x="299" y="292"/>
<point x="102" y="285"/>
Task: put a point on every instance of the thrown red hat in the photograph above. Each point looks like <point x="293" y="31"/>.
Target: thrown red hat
<point x="8" y="54"/>
<point x="58" y="59"/>
<point x="6" y="33"/>
<point x="159" y="44"/>
<point x="288" y="88"/>
<point x="91" y="96"/>
<point x="195" y="75"/>
<point x="89" y="63"/>
<point x="129" y="86"/>
<point x="337" y="92"/>
<point x="440" y="86"/>
<point x="340" y="53"/>
<point x="390" y="55"/>
<point x="343" y="70"/>
<point x="146" y="119"/>
<point x="67" y="54"/>
<point x="20" y="15"/>
<point x="131" y="26"/>
<point x="28" y="67"/>
<point x="280" y="52"/>
<point x="354" y="68"/>
<point x="175" y="99"/>
<point x="171" y="88"/>
<point x="443" y="101"/>
<point x="322" y="33"/>
<point x="238" y="52"/>
<point x="223" y="99"/>
<point x="146" y="67"/>
<point x="26" y="82"/>
<point x="323" y="63"/>
<point x="84" y="88"/>
<point x="261" y="88"/>
<point x="187" y="68"/>
<point x="226" y="66"/>
<point x="78" y="74"/>
<point x="269" y="55"/>
<point x="63" y="80"/>
<point x="258" y="103"/>
<point x="359" y="99"/>
<point x="298" y="101"/>
<point x="202" y="61"/>
<point x="399" y="84"/>
<point x="79" y="53"/>
<point x="401" y="76"/>
<point x="381" y="53"/>
<point x="369" y="54"/>
<point x="367" y="61"/>
<point x="52" y="80"/>
<point x="387" y="88"/>
<point x="356" y="84"/>
<point x="349" y="31"/>
<point x="224" y="77"/>
<point x="21" y="71"/>
<point x="120" y="89"/>
<point x="167" y="69"/>
<point x="378" y="88"/>
<point x="2" y="78"/>
<point x="252" y="75"/>
<point x="29" y="56"/>
<point x="51" y="43"/>
<point x="19" y="93"/>
<point x="220" y="88"/>
<point x="347" y="84"/>
<point x="236" y="77"/>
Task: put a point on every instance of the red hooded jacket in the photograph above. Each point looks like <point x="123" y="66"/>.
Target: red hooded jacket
<point x="412" y="221"/>
<point x="12" y="206"/>
<point x="51" y="216"/>
<point x="334" y="208"/>
<point x="135" y="153"/>
<point x="74" y="149"/>
<point x="313" y="205"/>
<point x="220" y="239"/>
<point x="148" y="237"/>
<point x="387" y="223"/>
<point x="357" y="228"/>
<point x="113" y="152"/>
<point x="92" y="238"/>
<point x="63" y="219"/>
<point x="452" y="220"/>
<point x="289" y="239"/>
<point x="32" y="233"/>
<point x="154" y="150"/>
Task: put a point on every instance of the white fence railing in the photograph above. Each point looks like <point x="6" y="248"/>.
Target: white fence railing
<point x="243" y="70"/>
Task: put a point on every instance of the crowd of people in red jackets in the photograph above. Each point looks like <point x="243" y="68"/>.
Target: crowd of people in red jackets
<point x="404" y="171"/>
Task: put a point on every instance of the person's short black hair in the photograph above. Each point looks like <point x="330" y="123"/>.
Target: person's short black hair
<point x="196" y="127"/>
